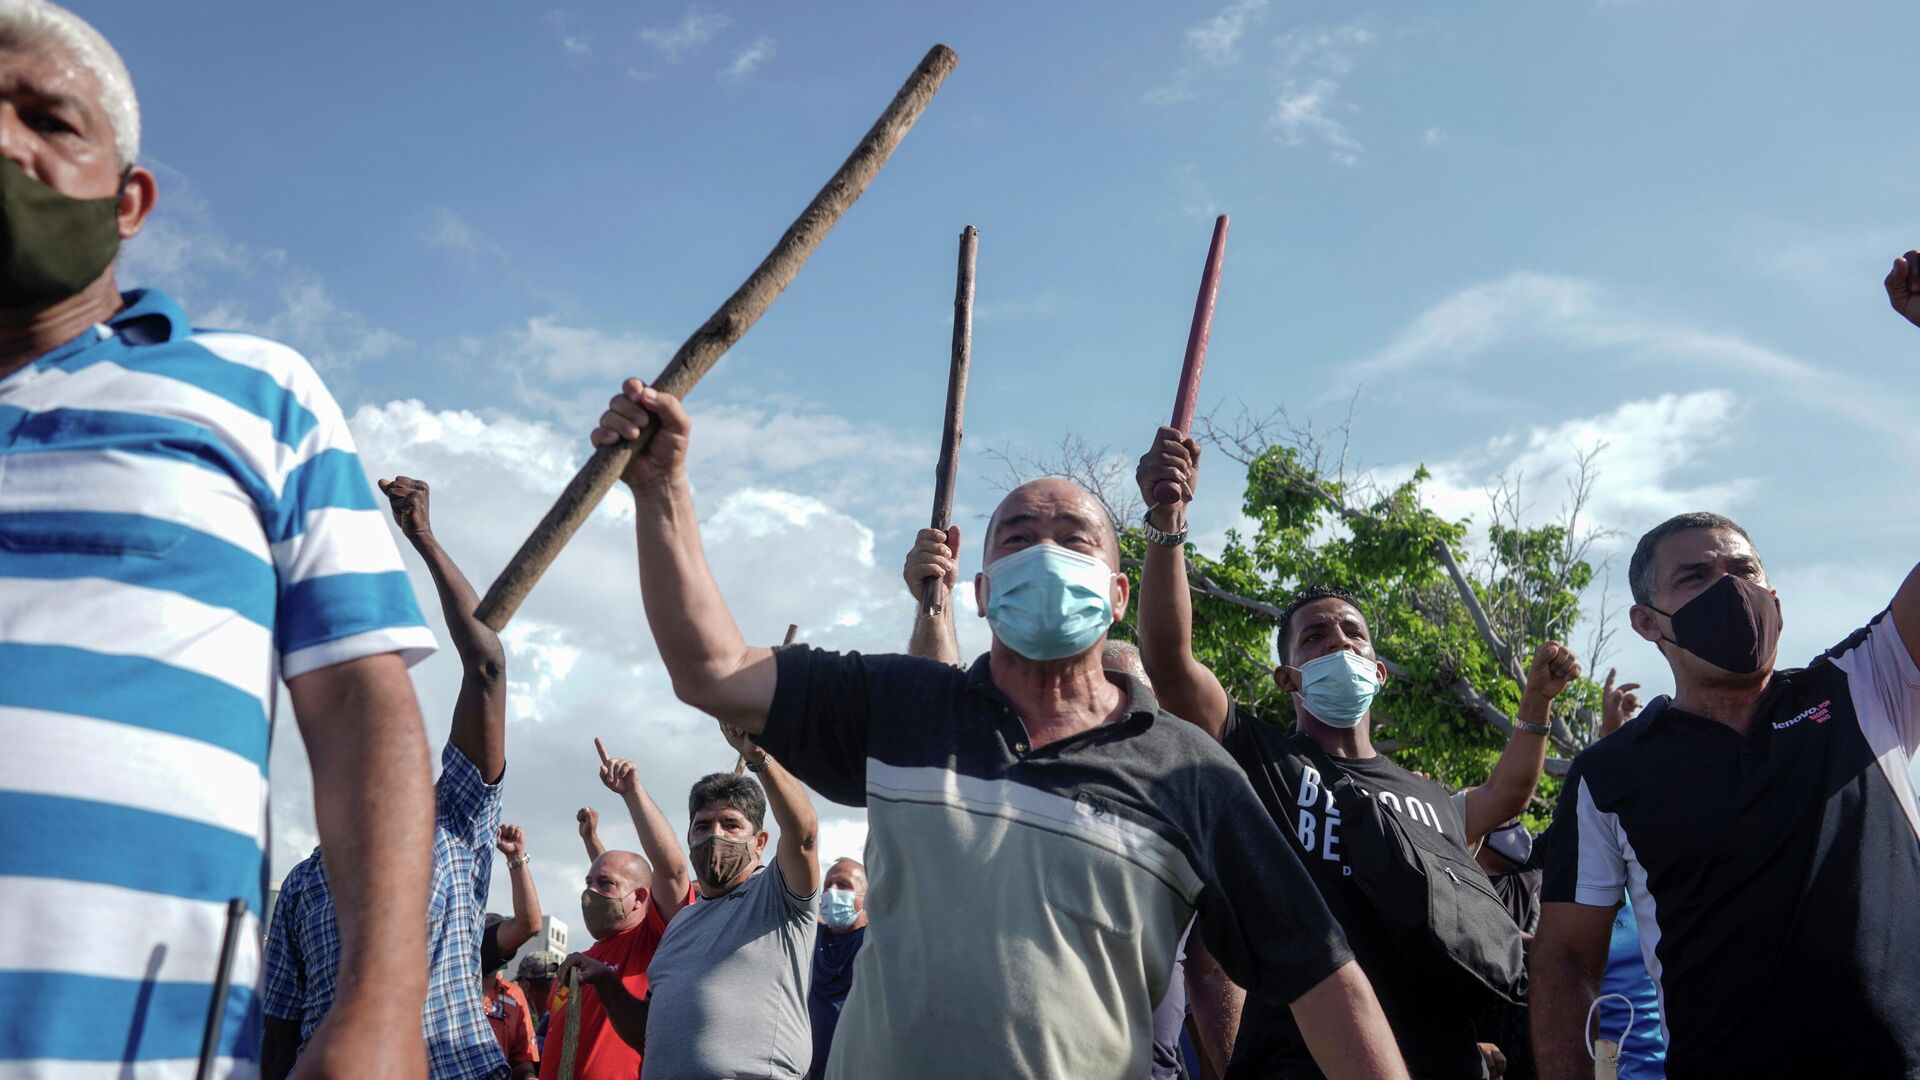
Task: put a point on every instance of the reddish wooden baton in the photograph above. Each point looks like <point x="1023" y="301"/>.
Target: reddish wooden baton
<point x="1189" y="393"/>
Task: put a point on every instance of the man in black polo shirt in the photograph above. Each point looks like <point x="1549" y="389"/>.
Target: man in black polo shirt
<point x="1327" y="662"/>
<point x="1040" y="832"/>
<point x="1763" y="822"/>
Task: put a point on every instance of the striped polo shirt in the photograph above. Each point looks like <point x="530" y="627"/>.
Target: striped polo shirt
<point x="1026" y="902"/>
<point x="183" y="524"/>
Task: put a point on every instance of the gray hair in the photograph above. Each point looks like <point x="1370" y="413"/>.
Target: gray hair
<point x="1640" y="567"/>
<point x="739" y="792"/>
<point x="30" y="24"/>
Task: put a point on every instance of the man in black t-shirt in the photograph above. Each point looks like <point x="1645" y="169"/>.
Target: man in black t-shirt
<point x="1328" y="663"/>
<point x="1763" y="822"/>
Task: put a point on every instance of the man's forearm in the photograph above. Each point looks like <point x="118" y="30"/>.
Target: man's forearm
<point x="596" y="847"/>
<point x="1217" y="1002"/>
<point x="1558" y="998"/>
<point x="699" y="642"/>
<point x="373" y="805"/>
<point x="480" y="711"/>
<point x="627" y="1014"/>
<point x="1184" y="686"/>
<point x="934" y="636"/>
<point x="526" y="906"/>
<point x="658" y="842"/>
<point x="799" y="827"/>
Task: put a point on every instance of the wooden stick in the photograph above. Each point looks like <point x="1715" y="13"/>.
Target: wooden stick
<point x="700" y="352"/>
<point x="1197" y="334"/>
<point x="740" y="760"/>
<point x="570" y="1034"/>
<point x="933" y="596"/>
<point x="222" y="980"/>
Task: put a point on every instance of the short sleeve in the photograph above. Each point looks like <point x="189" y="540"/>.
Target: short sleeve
<point x="1459" y="800"/>
<point x="1260" y="914"/>
<point x="817" y="725"/>
<point x="1585" y="863"/>
<point x="468" y="807"/>
<point x="807" y="906"/>
<point x="283" y="983"/>
<point x="344" y="593"/>
<point x="1885" y="683"/>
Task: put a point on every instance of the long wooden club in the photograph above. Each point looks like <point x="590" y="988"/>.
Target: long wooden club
<point x="701" y="351"/>
<point x="1189" y="392"/>
<point x="933" y="596"/>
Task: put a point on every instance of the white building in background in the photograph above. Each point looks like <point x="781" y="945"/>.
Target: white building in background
<point x="550" y="942"/>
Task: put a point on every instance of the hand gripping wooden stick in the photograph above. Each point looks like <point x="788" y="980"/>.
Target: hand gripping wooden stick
<point x="1189" y="392"/>
<point x="933" y="596"/>
<point x="699" y="353"/>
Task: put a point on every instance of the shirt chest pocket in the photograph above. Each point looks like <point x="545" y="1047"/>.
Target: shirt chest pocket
<point x="1088" y="887"/>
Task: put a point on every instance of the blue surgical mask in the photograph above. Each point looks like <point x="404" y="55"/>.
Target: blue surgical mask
<point x="837" y="911"/>
<point x="1338" y="688"/>
<point x="1047" y="602"/>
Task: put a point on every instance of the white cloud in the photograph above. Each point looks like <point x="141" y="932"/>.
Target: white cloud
<point x="693" y="31"/>
<point x="1434" y="136"/>
<point x="1300" y="115"/>
<point x="1309" y="67"/>
<point x="1217" y="40"/>
<point x="574" y="44"/>
<point x="749" y="59"/>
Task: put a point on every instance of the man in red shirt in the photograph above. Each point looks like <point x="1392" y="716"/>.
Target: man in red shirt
<point x="626" y="906"/>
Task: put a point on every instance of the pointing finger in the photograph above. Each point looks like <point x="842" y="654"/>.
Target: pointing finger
<point x="604" y="759"/>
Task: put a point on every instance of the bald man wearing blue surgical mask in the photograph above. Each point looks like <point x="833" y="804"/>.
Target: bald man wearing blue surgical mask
<point x="843" y="929"/>
<point x="1040" y="832"/>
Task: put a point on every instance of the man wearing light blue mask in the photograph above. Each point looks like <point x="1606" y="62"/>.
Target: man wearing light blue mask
<point x="843" y="929"/>
<point x="1329" y="667"/>
<point x="1040" y="832"/>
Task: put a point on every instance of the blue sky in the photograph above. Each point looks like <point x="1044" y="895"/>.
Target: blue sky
<point x="1512" y="229"/>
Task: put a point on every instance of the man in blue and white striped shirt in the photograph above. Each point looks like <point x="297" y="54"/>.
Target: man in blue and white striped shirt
<point x="183" y="525"/>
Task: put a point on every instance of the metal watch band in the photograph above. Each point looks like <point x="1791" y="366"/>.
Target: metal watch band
<point x="1533" y="729"/>
<point x="1155" y="536"/>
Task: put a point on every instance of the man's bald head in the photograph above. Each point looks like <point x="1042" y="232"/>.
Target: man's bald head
<point x="629" y="865"/>
<point x="1058" y="508"/>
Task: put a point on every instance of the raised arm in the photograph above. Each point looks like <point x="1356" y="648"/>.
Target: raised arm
<point x="657" y="841"/>
<point x="1566" y="962"/>
<point x="1186" y="687"/>
<point x="373" y="805"/>
<point x="711" y="665"/>
<point x="525" y="924"/>
<point x="480" y="712"/>
<point x="589" y="821"/>
<point x="798" y="852"/>
<point x="1515" y="776"/>
<point x="1903" y="291"/>
<point x="934" y="554"/>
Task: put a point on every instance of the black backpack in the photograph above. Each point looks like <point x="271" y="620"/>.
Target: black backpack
<point x="1431" y="897"/>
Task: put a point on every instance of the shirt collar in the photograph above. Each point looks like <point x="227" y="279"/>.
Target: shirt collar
<point x="148" y="317"/>
<point x="1141" y="704"/>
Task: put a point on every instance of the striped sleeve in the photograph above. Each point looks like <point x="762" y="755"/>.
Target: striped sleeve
<point x="1885" y="684"/>
<point x="343" y="592"/>
<point x="1585" y="861"/>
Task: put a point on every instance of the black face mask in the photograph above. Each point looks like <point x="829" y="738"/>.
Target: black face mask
<point x="1734" y="625"/>
<point x="51" y="245"/>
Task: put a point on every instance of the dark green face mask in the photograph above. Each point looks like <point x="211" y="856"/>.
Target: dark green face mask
<point x="51" y="245"/>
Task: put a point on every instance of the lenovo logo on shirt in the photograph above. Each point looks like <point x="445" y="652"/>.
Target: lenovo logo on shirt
<point x="1819" y="714"/>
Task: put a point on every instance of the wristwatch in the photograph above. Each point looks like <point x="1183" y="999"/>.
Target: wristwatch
<point x="515" y="864"/>
<point x="1531" y="728"/>
<point x="1155" y="536"/>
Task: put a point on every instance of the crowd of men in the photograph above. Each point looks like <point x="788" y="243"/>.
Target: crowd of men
<point x="1084" y="859"/>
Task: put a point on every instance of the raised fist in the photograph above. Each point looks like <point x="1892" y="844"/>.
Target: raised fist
<point x="1554" y="666"/>
<point x="634" y="409"/>
<point x="1173" y="459"/>
<point x="589" y="820"/>
<point x="934" y="554"/>
<point x="408" y="500"/>
<point x="511" y="840"/>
